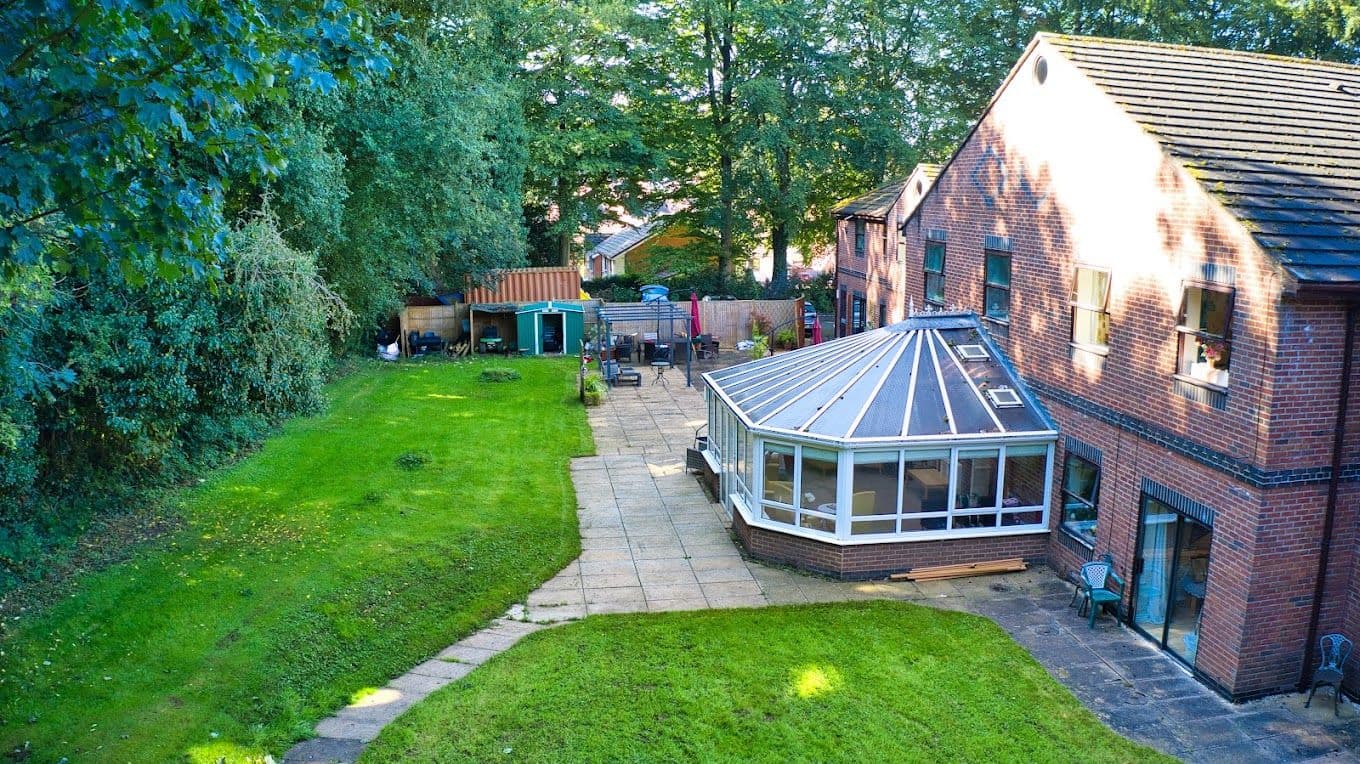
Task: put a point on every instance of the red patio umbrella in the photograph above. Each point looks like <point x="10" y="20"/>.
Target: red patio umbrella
<point x="817" y="330"/>
<point x="694" y="327"/>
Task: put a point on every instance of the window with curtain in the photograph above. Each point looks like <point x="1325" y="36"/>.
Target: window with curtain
<point x="1090" y="308"/>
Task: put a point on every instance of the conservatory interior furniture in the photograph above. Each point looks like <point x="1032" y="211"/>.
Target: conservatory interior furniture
<point x="1331" y="668"/>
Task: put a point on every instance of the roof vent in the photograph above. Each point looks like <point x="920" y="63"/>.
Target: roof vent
<point x="1041" y="70"/>
<point x="1004" y="398"/>
<point x="972" y="352"/>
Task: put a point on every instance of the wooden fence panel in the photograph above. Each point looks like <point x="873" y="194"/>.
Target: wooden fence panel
<point x="727" y="320"/>
<point x="730" y="320"/>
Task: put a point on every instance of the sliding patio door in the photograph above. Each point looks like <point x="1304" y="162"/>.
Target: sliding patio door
<point x="1169" y="580"/>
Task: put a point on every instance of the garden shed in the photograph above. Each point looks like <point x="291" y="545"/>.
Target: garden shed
<point x="911" y="445"/>
<point x="550" y="327"/>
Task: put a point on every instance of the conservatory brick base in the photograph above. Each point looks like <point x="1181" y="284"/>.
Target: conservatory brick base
<point x="859" y="562"/>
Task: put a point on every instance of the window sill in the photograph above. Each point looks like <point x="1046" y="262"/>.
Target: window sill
<point x="1189" y="380"/>
<point x="1100" y="350"/>
<point x="1071" y="534"/>
<point x="999" y="327"/>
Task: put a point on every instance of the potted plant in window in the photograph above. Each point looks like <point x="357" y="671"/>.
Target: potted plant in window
<point x="1216" y="354"/>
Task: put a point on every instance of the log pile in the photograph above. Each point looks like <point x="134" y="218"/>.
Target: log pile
<point x="938" y="572"/>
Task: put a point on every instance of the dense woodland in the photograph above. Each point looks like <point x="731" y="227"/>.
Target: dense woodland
<point x="205" y="205"/>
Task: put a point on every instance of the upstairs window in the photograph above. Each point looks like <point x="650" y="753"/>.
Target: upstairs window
<point x="1090" y="309"/>
<point x="1081" y="491"/>
<point x="934" y="268"/>
<point x="997" y="285"/>
<point x="1204" y="334"/>
<point x="860" y="238"/>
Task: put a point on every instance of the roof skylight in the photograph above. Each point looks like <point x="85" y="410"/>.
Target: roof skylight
<point x="1004" y="397"/>
<point x="971" y="352"/>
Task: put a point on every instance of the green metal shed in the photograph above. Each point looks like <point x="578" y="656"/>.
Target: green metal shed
<point x="550" y="327"/>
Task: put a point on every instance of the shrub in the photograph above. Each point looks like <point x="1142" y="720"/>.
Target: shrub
<point x="761" y="348"/>
<point x="594" y="389"/>
<point x="760" y="324"/>
<point x="785" y="339"/>
<point x="499" y="374"/>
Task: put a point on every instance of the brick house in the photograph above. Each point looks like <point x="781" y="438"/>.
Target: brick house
<point x="869" y="274"/>
<point x="1166" y="242"/>
<point x="633" y="249"/>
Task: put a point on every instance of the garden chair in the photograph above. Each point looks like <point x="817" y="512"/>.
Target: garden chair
<point x="1331" y="668"/>
<point x="1100" y="586"/>
<point x="866" y="503"/>
<point x="779" y="490"/>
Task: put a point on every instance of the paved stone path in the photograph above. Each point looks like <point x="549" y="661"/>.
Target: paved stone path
<point x="651" y="541"/>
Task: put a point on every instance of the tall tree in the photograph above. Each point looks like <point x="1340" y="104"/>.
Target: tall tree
<point x="121" y="121"/>
<point x="584" y="73"/>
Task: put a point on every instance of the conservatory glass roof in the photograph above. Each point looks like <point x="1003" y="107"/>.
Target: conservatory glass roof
<point x="935" y="375"/>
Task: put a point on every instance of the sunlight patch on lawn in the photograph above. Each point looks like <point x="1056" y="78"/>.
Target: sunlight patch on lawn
<point x="373" y="696"/>
<point x="812" y="681"/>
<point x="447" y="397"/>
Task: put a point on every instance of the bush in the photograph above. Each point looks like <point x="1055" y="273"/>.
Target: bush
<point x="594" y="389"/>
<point x="761" y="348"/>
<point x="144" y="386"/>
<point x="760" y="323"/>
<point x="499" y="374"/>
<point x="785" y="339"/>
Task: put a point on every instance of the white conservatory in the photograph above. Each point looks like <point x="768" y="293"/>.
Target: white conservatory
<point x="872" y="444"/>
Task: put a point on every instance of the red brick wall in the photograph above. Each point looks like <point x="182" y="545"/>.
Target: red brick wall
<point x="865" y="561"/>
<point x="1120" y="203"/>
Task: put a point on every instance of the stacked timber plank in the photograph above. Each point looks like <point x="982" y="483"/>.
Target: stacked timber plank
<point x="938" y="572"/>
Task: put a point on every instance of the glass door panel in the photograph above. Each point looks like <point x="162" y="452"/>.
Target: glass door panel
<point x="1158" y="544"/>
<point x="1187" y="589"/>
<point x="1169" y="587"/>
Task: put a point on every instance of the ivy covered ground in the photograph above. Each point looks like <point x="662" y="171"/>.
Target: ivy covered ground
<point x="349" y="548"/>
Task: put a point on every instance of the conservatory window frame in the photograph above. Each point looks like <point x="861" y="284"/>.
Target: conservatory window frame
<point x="752" y="504"/>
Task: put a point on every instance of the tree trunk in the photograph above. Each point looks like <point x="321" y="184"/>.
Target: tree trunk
<point x="718" y="44"/>
<point x="564" y="249"/>
<point x="779" y="245"/>
<point x="779" y="232"/>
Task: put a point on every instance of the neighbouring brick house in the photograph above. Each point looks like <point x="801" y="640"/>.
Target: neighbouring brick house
<point x="632" y="249"/>
<point x="869" y="272"/>
<point x="1166" y="242"/>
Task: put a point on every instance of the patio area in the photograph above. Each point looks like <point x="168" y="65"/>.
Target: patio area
<point x="652" y="541"/>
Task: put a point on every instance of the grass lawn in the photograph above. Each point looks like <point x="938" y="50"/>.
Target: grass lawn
<point x="349" y="548"/>
<point x="854" y="682"/>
